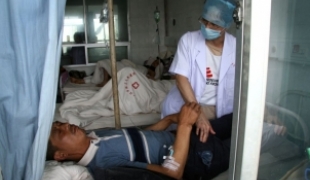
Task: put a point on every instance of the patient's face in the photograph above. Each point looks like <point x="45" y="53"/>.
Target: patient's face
<point x="155" y="63"/>
<point x="150" y="74"/>
<point x="68" y="137"/>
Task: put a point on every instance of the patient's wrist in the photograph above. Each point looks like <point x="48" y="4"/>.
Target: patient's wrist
<point x="185" y="126"/>
<point x="173" y="118"/>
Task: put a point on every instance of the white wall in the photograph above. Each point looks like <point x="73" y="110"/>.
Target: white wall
<point x="186" y="14"/>
<point x="143" y="29"/>
<point x="143" y="26"/>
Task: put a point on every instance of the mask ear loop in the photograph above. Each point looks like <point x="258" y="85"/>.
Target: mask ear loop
<point x="223" y="31"/>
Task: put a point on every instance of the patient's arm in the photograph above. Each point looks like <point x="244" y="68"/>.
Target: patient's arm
<point x="188" y="116"/>
<point x="106" y="77"/>
<point x="164" y="123"/>
<point x="180" y="146"/>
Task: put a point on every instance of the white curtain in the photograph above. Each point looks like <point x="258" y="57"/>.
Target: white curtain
<point x="30" y="42"/>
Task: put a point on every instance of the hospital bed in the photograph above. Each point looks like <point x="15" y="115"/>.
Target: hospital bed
<point x="55" y="170"/>
<point x="285" y="158"/>
<point x="139" y="97"/>
<point x="99" y="119"/>
<point x="66" y="87"/>
<point x="68" y="170"/>
<point x="109" y="122"/>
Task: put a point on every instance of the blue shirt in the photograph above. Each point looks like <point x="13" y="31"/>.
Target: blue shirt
<point x="114" y="148"/>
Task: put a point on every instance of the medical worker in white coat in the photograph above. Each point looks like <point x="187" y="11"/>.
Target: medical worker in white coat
<point x="204" y="65"/>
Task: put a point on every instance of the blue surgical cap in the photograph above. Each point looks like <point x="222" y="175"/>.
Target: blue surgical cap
<point x="219" y="12"/>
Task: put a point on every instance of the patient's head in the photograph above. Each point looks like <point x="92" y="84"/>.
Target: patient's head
<point x="151" y="73"/>
<point x="66" y="142"/>
<point x="155" y="63"/>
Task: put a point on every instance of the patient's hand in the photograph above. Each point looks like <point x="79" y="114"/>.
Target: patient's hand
<point x="173" y="118"/>
<point x="272" y="119"/>
<point x="189" y="113"/>
<point x="77" y="81"/>
<point x="280" y="130"/>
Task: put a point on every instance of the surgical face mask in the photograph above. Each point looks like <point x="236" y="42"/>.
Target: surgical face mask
<point x="209" y="34"/>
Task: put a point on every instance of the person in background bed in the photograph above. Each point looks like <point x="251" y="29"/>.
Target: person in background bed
<point x="153" y="149"/>
<point x="77" y="53"/>
<point x="204" y="67"/>
<point x="152" y="68"/>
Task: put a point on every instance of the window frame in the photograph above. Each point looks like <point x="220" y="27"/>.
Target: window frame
<point x="87" y="45"/>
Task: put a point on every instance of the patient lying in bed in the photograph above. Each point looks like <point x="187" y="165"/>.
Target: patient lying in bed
<point x="152" y="69"/>
<point x="137" y="94"/>
<point x="153" y="149"/>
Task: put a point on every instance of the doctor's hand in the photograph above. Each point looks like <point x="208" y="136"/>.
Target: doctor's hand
<point x="203" y="128"/>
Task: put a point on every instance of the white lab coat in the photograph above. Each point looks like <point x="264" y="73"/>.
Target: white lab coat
<point x="190" y="61"/>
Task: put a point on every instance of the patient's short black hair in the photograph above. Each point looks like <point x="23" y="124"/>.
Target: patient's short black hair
<point x="50" y="151"/>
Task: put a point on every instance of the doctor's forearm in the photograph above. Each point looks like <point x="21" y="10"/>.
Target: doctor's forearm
<point x="185" y="88"/>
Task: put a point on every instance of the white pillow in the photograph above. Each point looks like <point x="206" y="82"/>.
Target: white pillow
<point x="65" y="171"/>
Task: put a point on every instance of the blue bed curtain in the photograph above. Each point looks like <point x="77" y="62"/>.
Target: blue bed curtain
<point x="30" y="43"/>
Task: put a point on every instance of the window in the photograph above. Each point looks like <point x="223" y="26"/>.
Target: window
<point x="85" y="40"/>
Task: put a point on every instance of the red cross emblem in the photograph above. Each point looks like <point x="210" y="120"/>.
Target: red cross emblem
<point x="135" y="85"/>
<point x="209" y="73"/>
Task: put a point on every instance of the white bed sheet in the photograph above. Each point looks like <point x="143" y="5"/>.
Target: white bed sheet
<point x="71" y="87"/>
<point x="65" y="171"/>
<point x="109" y="122"/>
